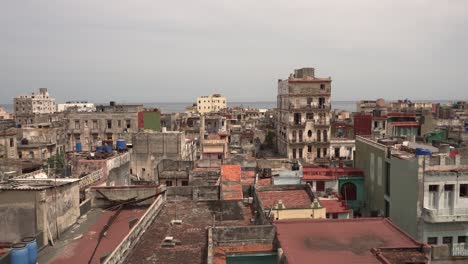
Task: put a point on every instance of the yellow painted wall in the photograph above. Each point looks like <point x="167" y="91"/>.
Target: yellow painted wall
<point x="299" y="213"/>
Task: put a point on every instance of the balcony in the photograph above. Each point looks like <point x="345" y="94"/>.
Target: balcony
<point x="459" y="250"/>
<point x="445" y="215"/>
<point x="322" y="123"/>
<point x="310" y="107"/>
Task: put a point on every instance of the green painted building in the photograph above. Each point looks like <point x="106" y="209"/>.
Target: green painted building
<point x="357" y="202"/>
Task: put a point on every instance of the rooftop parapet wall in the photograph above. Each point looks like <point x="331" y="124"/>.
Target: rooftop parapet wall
<point x="122" y="193"/>
<point x="195" y="193"/>
<point x="121" y="252"/>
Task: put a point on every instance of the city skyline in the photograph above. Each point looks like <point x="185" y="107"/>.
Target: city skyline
<point x="132" y="52"/>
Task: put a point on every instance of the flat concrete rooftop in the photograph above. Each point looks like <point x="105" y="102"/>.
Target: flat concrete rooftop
<point x="192" y="233"/>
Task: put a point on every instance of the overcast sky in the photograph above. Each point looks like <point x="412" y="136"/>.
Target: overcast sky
<point x="173" y="51"/>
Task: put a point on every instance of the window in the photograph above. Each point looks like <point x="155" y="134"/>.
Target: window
<point x="184" y="183"/>
<point x="119" y="123"/>
<point x="309" y="149"/>
<point x="432" y="240"/>
<point x="109" y="124"/>
<point x="168" y="183"/>
<point x="322" y="86"/>
<point x="387" y="178"/>
<point x="337" y="152"/>
<point x="448" y="187"/>
<point x="300" y="153"/>
<point x="12" y="142"/>
<point x="294" y="153"/>
<point x="310" y="116"/>
<point x="318" y="135"/>
<point x="464" y="190"/>
<point x="309" y="133"/>
<point x="324" y="152"/>
<point x="294" y="136"/>
<point x="297" y="118"/>
<point x="128" y="124"/>
<point x="325" y="136"/>
<point x="434" y="188"/>
<point x="348" y="191"/>
<point x="77" y="124"/>
<point x="318" y="152"/>
<point x="462" y="239"/>
<point x="109" y="136"/>
<point x="300" y="135"/>
<point x="95" y="126"/>
<point x="447" y="240"/>
<point x="320" y="186"/>
<point x="387" y="208"/>
<point x="335" y="216"/>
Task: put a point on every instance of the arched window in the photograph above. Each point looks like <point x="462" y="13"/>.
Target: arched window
<point x="309" y="133"/>
<point x="319" y="135"/>
<point x="325" y="136"/>
<point x="348" y="191"/>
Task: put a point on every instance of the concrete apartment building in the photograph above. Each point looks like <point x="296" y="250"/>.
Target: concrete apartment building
<point x="4" y="114"/>
<point x="425" y="194"/>
<point x="78" y="106"/>
<point x="303" y="124"/>
<point x="8" y="144"/>
<point x="149" y="149"/>
<point x="36" y="103"/>
<point x="211" y="103"/>
<point x="108" y="122"/>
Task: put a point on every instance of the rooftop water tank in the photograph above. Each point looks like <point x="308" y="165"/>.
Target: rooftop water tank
<point x="108" y="149"/>
<point x="423" y="152"/>
<point x="31" y="245"/>
<point x="121" y="145"/>
<point x="79" y="148"/>
<point x="19" y="254"/>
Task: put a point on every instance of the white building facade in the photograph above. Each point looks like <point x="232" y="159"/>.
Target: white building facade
<point x="36" y="103"/>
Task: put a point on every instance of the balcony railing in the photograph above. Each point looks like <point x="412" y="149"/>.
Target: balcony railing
<point x="445" y="215"/>
<point x="459" y="250"/>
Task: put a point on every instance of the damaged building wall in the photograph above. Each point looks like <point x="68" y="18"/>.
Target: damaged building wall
<point x="199" y="193"/>
<point x="26" y="213"/>
<point x="150" y="148"/>
<point x="63" y="207"/>
<point x="17" y="215"/>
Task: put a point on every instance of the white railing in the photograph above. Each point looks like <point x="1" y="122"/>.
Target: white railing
<point x="460" y="250"/>
<point x="448" y="211"/>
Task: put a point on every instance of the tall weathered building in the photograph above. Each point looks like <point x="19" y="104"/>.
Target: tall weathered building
<point x="108" y="122"/>
<point x="303" y="124"/>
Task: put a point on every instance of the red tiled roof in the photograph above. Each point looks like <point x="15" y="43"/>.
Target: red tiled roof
<point x="334" y="206"/>
<point x="405" y="124"/>
<point x="80" y="250"/>
<point x="231" y="188"/>
<point x="290" y="198"/>
<point x="315" y="173"/>
<point x="400" y="114"/>
<point x="336" y="241"/>
<point x="315" y="177"/>
<point x="231" y="173"/>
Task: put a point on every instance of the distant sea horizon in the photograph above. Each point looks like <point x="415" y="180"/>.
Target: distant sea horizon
<point x="179" y="107"/>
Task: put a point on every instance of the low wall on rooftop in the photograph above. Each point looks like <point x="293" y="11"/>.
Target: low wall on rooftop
<point x="256" y="234"/>
<point x="124" y="248"/>
<point x="122" y="193"/>
<point x="195" y="193"/>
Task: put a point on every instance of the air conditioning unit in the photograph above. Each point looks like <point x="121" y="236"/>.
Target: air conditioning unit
<point x="176" y="222"/>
